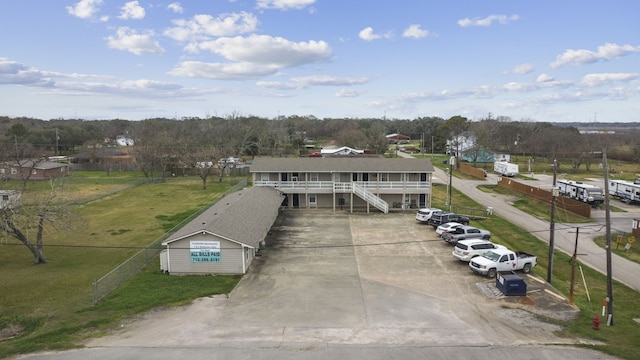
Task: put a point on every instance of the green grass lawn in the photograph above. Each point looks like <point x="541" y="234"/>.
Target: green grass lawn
<point x="48" y="304"/>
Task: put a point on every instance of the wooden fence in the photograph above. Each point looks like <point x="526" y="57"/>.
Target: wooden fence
<point x="570" y="205"/>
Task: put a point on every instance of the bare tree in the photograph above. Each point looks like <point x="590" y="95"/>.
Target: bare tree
<point x="17" y="220"/>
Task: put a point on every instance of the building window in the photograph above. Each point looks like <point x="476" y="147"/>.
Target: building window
<point x="384" y="177"/>
<point x="313" y="200"/>
<point x="264" y="176"/>
<point x="313" y="176"/>
<point x="34" y="171"/>
<point x="14" y="171"/>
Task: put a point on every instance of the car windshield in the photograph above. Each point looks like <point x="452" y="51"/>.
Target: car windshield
<point x="491" y="256"/>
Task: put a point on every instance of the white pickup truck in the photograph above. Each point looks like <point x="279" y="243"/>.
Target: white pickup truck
<point x="493" y="261"/>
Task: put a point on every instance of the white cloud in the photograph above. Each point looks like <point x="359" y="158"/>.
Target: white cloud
<point x="367" y="34"/>
<point x="277" y="85"/>
<point x="349" y="93"/>
<point x="175" y="7"/>
<point x="205" y="26"/>
<point x="14" y="73"/>
<point x="522" y="69"/>
<point x="263" y="49"/>
<point x="592" y="80"/>
<point x="605" y="52"/>
<point x="85" y="9"/>
<point x="543" y="78"/>
<point x="415" y="31"/>
<point x="129" y="40"/>
<point x="304" y="82"/>
<point x="132" y="10"/>
<point x="284" y="4"/>
<point x="502" y="19"/>
<point x="219" y="71"/>
<point x="325" y="80"/>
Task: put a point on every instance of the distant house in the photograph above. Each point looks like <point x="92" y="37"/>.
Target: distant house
<point x="480" y="156"/>
<point x="225" y="238"/>
<point x="397" y="138"/>
<point x="9" y="199"/>
<point x="100" y="156"/>
<point x="122" y="140"/>
<point x="33" y="169"/>
<point x="345" y="150"/>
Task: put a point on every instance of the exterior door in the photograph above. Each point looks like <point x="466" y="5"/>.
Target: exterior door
<point x="296" y="200"/>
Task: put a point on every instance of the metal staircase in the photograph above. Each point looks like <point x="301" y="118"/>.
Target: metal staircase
<point x="364" y="194"/>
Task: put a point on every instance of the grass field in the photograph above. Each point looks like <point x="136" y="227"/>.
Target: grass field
<point x="47" y="304"/>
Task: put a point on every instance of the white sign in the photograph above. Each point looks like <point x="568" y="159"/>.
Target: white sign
<point x="204" y="251"/>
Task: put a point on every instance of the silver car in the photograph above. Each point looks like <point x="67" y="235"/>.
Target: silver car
<point x="465" y="250"/>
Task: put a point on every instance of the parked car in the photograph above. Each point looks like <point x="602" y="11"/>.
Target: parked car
<point x="465" y="250"/>
<point x="423" y="215"/>
<point x="445" y="217"/>
<point x="493" y="261"/>
<point x="464" y="233"/>
<point x="450" y="226"/>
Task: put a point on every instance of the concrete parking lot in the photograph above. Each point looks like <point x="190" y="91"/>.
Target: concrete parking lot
<point x="355" y="279"/>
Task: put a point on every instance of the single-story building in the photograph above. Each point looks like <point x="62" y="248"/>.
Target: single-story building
<point x="39" y="169"/>
<point x="223" y="239"/>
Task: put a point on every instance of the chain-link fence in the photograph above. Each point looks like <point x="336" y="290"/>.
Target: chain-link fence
<point x="109" y="282"/>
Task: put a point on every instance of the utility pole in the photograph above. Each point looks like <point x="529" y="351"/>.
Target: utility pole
<point x="574" y="259"/>
<point x="452" y="161"/>
<point x="608" y="237"/>
<point x="552" y="221"/>
<point x="57" y="138"/>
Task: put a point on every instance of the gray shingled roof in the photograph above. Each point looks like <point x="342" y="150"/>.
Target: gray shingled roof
<point x="351" y="164"/>
<point x="245" y="216"/>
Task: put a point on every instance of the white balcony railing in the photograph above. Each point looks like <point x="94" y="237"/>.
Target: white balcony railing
<point x="330" y="185"/>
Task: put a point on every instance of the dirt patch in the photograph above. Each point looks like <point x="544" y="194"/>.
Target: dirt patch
<point x="10" y="331"/>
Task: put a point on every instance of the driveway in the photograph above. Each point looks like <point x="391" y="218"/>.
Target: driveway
<point x="352" y="286"/>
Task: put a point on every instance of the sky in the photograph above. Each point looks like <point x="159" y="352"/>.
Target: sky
<point x="543" y="60"/>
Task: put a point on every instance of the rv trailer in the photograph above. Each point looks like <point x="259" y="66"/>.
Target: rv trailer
<point x="505" y="168"/>
<point x="626" y="191"/>
<point x="577" y="190"/>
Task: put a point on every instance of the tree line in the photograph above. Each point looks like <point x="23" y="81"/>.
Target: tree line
<point x="162" y="145"/>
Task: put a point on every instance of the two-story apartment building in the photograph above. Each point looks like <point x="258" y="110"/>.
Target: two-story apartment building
<point x="347" y="183"/>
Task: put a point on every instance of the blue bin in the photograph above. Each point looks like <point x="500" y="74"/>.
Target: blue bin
<point x="511" y="284"/>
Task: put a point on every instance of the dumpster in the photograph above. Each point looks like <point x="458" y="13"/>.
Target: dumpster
<point x="511" y="284"/>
